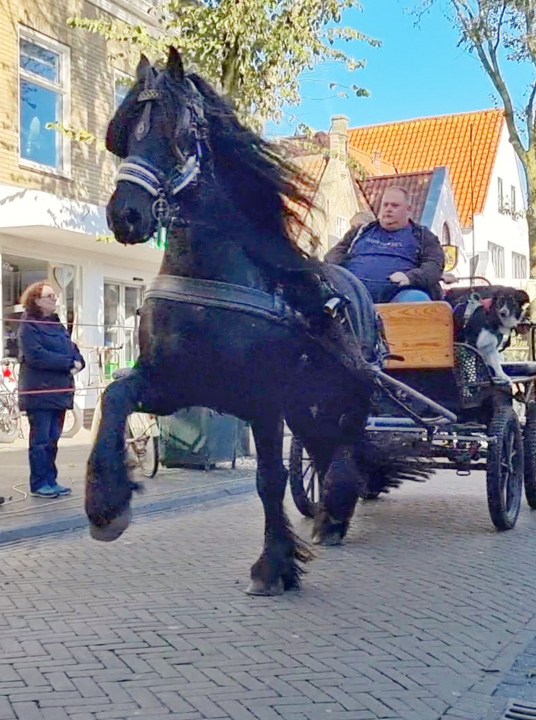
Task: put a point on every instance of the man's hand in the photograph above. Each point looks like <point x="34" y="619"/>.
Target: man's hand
<point x="399" y="278"/>
<point x="76" y="368"/>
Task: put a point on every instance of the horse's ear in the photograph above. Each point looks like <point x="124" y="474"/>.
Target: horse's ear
<point x="174" y="65"/>
<point x="142" y="69"/>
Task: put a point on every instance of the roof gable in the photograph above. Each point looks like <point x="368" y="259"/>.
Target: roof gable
<point x="455" y="141"/>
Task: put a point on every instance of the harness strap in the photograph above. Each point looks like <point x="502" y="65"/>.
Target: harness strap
<point x="213" y="293"/>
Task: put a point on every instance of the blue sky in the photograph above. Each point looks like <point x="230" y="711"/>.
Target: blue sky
<point x="417" y="71"/>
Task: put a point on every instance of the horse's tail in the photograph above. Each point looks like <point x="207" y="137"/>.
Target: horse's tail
<point x="388" y="464"/>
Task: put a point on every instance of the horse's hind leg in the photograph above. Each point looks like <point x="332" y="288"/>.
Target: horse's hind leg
<point x="277" y="568"/>
<point x="108" y="486"/>
<point x="343" y="485"/>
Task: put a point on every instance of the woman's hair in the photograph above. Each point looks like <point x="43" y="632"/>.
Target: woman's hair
<point x="30" y="296"/>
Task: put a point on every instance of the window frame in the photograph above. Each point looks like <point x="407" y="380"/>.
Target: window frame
<point x="118" y="74"/>
<point x="340" y="221"/>
<point x="64" y="87"/>
<point x="523" y="260"/>
<point x="500" y="256"/>
<point x="122" y="331"/>
<point x="500" y="194"/>
<point x="513" y="200"/>
<point x="446" y="236"/>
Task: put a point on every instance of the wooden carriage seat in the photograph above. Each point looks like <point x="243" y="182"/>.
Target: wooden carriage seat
<point x="421" y="332"/>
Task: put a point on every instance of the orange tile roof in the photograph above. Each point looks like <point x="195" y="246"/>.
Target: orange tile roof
<point x="372" y="166"/>
<point x="312" y="167"/>
<point x="426" y="143"/>
<point x="417" y="185"/>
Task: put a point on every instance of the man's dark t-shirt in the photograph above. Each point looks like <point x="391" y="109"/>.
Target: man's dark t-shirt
<point x="379" y="253"/>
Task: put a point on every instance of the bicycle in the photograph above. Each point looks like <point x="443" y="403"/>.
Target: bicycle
<point x="11" y="418"/>
<point x="141" y="430"/>
<point x="10" y="415"/>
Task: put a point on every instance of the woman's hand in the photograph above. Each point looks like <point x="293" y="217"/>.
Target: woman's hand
<point x="77" y="367"/>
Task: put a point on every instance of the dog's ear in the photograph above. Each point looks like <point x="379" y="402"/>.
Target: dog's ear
<point x="522" y="297"/>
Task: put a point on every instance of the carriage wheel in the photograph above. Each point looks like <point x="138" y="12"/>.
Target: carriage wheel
<point x="304" y="480"/>
<point x="529" y="443"/>
<point x="504" y="478"/>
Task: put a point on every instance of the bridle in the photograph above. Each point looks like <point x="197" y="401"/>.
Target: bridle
<point x="165" y="188"/>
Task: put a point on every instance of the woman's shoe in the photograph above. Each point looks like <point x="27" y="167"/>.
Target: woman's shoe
<point x="46" y="491"/>
<point x="61" y="490"/>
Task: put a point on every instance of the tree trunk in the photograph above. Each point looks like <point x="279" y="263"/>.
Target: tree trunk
<point x="530" y="170"/>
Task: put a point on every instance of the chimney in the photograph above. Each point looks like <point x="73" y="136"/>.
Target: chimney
<point x="338" y="137"/>
<point x="376" y="156"/>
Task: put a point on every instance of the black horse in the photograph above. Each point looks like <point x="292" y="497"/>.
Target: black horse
<point x="235" y="320"/>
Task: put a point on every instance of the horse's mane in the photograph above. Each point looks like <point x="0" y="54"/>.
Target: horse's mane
<point x="269" y="189"/>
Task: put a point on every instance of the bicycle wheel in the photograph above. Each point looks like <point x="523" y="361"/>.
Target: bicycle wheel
<point x="141" y="445"/>
<point x="73" y="422"/>
<point x="9" y="422"/>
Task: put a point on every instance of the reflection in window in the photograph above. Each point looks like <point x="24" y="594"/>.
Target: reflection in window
<point x="41" y="102"/>
<point x="122" y="85"/>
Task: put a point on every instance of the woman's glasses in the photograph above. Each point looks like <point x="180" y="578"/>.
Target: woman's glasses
<point x="49" y="297"/>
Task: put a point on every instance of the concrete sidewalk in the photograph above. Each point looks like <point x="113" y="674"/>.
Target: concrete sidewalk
<point x="23" y="516"/>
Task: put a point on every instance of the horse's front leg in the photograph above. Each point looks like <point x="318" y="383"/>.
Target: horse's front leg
<point x="108" y="486"/>
<point x="277" y="569"/>
<point x="343" y="484"/>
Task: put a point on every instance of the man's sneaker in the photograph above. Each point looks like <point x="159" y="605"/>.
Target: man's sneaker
<point x="45" y="492"/>
<point x="61" y="490"/>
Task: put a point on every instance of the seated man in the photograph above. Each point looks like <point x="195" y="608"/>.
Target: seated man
<point x="396" y="259"/>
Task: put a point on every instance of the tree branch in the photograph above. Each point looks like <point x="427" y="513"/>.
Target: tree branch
<point x="493" y="70"/>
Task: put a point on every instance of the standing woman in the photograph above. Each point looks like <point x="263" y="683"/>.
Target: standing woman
<point x="49" y="360"/>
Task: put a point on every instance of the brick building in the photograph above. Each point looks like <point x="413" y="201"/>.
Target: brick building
<point x="53" y="191"/>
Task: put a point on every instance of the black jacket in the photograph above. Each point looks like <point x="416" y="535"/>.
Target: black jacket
<point x="431" y="258"/>
<point x="47" y="355"/>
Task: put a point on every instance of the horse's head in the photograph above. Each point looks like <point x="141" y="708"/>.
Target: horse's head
<point x="158" y="132"/>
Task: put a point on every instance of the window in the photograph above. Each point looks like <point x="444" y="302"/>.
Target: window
<point x="512" y="200"/>
<point x="122" y="85"/>
<point x="445" y="235"/>
<point x="43" y="99"/>
<point x="342" y="226"/>
<point x="120" y="322"/>
<point x="497" y="257"/>
<point x="17" y="274"/>
<point x="519" y="266"/>
<point x="500" y="197"/>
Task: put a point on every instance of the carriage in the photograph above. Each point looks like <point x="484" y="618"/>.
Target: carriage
<point x="440" y="399"/>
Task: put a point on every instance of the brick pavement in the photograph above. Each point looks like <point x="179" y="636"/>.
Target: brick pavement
<point x="419" y="616"/>
<point x="25" y="516"/>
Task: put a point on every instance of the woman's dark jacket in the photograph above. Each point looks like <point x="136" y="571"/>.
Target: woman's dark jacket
<point x="47" y="355"/>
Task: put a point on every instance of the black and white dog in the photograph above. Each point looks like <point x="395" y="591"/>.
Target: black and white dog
<point x="484" y="317"/>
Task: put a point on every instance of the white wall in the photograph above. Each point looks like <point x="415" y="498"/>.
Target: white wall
<point x="493" y="226"/>
<point x="93" y="269"/>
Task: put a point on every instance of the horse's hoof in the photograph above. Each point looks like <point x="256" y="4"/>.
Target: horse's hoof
<point x="114" y="529"/>
<point x="257" y="587"/>
<point x="328" y="540"/>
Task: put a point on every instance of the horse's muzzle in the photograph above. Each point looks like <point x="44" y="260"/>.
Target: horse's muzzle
<point x="114" y="529"/>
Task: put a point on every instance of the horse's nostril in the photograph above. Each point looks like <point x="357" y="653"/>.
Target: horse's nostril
<point x="131" y="216"/>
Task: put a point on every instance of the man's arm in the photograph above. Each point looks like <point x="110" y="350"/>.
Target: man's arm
<point x="338" y="252"/>
<point x="432" y="263"/>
